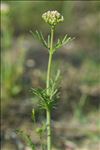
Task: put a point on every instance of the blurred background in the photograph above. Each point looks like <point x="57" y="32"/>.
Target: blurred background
<point x="76" y="121"/>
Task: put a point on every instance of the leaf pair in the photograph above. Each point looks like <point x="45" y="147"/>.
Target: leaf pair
<point x="61" y="42"/>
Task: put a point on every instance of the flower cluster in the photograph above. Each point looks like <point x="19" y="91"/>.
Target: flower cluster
<point x="52" y="18"/>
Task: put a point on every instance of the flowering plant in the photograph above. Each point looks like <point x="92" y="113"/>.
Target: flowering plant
<point x="49" y="96"/>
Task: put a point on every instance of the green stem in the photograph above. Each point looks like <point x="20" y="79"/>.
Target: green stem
<point x="50" y="60"/>
<point x="48" y="112"/>
<point x="49" y="130"/>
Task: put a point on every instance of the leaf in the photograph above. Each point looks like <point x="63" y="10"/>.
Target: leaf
<point x="47" y="101"/>
<point x="27" y="138"/>
<point x="40" y="37"/>
<point x="62" y="42"/>
<point x="41" y="130"/>
<point x="64" y="39"/>
<point x="32" y="33"/>
<point x="56" y="80"/>
<point x="44" y="98"/>
<point x="42" y="40"/>
<point x="55" y="89"/>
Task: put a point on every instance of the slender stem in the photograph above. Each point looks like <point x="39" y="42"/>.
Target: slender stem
<point x="48" y="72"/>
<point x="50" y="60"/>
<point x="48" y="112"/>
<point x="49" y="130"/>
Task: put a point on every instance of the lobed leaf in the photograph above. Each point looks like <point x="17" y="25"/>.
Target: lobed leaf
<point x="62" y="42"/>
<point x="44" y="98"/>
<point x="46" y="101"/>
<point x="40" y="37"/>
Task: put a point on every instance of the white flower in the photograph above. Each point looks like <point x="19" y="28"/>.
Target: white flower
<point x="52" y="17"/>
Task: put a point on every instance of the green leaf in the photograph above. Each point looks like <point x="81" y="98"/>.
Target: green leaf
<point x="64" y="39"/>
<point x="47" y="101"/>
<point x="42" y="40"/>
<point x="38" y="35"/>
<point x="27" y="139"/>
<point x="55" y="89"/>
<point x="62" y="42"/>
<point x="42" y="129"/>
<point x="32" y="33"/>
<point x="42" y="95"/>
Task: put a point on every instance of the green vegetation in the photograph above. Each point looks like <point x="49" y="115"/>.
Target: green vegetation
<point x="48" y="96"/>
<point x="24" y="87"/>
